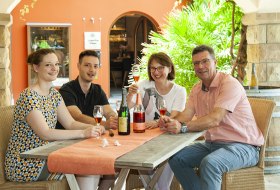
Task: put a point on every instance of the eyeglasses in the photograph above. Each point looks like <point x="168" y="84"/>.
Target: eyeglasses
<point x="159" y="68"/>
<point x="202" y="62"/>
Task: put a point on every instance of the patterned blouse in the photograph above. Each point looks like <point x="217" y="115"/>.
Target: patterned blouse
<point x="23" y="137"/>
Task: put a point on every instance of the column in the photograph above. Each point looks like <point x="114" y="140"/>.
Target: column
<point x="263" y="38"/>
<point x="5" y="69"/>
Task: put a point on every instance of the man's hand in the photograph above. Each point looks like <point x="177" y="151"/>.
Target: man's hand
<point x="112" y="122"/>
<point x="170" y="125"/>
<point x="173" y="126"/>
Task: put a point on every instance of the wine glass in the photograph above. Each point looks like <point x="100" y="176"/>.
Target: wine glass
<point x="161" y="106"/>
<point x="98" y="114"/>
<point x="136" y="72"/>
<point x="118" y="105"/>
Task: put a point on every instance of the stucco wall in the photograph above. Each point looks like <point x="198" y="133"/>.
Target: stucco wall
<point x="72" y="11"/>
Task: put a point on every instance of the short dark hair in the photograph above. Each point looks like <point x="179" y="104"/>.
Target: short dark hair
<point x="164" y="60"/>
<point x="37" y="56"/>
<point x="88" y="53"/>
<point x="202" y="48"/>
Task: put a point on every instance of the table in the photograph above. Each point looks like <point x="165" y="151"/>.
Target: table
<point x="152" y="155"/>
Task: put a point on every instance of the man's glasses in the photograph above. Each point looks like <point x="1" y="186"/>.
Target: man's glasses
<point x="202" y="62"/>
<point x="159" y="69"/>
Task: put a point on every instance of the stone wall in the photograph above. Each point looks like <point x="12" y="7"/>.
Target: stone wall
<point x="5" y="72"/>
<point x="263" y="38"/>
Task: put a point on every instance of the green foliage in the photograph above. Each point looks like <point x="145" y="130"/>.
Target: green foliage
<point x="204" y="22"/>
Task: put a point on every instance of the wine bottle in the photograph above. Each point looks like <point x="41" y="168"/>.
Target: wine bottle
<point x="138" y="115"/>
<point x="254" y="80"/>
<point x="124" y="116"/>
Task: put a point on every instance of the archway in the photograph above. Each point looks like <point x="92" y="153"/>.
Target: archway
<point x="127" y="33"/>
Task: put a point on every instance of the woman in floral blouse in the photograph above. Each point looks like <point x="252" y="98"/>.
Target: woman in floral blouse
<point x="36" y="113"/>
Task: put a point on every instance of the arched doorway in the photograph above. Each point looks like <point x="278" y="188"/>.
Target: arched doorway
<point x="127" y="34"/>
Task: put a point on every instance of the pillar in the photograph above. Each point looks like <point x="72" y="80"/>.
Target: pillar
<point x="263" y="49"/>
<point x="5" y="68"/>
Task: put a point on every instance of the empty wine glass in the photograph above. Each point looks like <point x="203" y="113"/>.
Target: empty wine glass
<point x="161" y="106"/>
<point x="136" y="72"/>
<point x="98" y="114"/>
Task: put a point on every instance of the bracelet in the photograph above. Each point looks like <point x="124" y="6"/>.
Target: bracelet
<point x="184" y="128"/>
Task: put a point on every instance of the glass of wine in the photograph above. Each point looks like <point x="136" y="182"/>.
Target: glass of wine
<point x="98" y="114"/>
<point x="136" y="72"/>
<point x="162" y="106"/>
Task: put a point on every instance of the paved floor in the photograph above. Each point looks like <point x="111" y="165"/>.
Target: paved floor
<point x="272" y="181"/>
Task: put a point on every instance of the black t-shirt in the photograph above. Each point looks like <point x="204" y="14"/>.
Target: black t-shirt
<point x="73" y="95"/>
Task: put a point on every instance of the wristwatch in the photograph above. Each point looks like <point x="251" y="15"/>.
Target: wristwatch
<point x="184" y="128"/>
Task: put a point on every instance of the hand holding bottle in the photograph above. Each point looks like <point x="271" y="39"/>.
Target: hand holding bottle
<point x="112" y="122"/>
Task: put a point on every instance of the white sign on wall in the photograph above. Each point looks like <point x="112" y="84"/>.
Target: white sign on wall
<point x="92" y="40"/>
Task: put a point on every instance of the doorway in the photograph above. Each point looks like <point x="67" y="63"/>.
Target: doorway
<point x="127" y="34"/>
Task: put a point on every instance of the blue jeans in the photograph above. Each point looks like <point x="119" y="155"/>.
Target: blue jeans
<point x="213" y="159"/>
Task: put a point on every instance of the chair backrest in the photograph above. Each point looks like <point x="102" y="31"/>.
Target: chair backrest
<point x="6" y="120"/>
<point x="262" y="110"/>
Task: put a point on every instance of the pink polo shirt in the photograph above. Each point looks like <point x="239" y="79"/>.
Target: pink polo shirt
<point x="239" y="124"/>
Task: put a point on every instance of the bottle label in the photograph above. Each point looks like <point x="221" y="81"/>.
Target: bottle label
<point x="139" y="117"/>
<point x="139" y="126"/>
<point x="123" y="124"/>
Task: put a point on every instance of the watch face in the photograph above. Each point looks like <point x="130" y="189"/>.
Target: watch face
<point x="184" y="129"/>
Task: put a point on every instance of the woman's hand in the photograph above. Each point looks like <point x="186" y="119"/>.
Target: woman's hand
<point x="94" y="131"/>
<point x="133" y="89"/>
<point x="151" y="124"/>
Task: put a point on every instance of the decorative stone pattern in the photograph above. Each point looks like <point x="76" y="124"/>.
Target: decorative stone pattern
<point x="253" y="53"/>
<point x="273" y="31"/>
<point x="5" y="73"/>
<point x="4" y="58"/>
<point x="273" y="72"/>
<point x="4" y="36"/>
<point x="270" y="53"/>
<point x="4" y="78"/>
<point x="263" y="49"/>
<point x="256" y="34"/>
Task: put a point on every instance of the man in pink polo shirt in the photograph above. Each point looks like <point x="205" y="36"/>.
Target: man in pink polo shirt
<point x="221" y="107"/>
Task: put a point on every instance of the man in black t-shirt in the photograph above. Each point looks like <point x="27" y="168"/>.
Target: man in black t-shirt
<point x="81" y="95"/>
